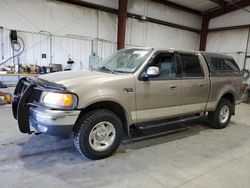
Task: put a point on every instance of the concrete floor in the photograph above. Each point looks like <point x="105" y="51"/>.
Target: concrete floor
<point x="197" y="157"/>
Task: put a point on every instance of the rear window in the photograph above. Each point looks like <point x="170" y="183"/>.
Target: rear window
<point x="191" y="65"/>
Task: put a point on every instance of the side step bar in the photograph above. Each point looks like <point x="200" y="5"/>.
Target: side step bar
<point x="153" y="129"/>
<point x="138" y="137"/>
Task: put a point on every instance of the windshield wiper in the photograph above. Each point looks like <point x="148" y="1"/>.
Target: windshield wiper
<point x="106" y="69"/>
<point x="120" y="71"/>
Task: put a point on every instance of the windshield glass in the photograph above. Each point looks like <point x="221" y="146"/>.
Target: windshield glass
<point x="123" y="61"/>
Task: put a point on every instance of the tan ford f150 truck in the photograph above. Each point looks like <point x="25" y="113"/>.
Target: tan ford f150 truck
<point x="136" y="87"/>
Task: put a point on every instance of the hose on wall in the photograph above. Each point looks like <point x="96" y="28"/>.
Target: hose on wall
<point x="17" y="47"/>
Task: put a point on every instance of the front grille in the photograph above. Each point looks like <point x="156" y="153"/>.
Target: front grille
<point x="23" y="95"/>
<point x="27" y="93"/>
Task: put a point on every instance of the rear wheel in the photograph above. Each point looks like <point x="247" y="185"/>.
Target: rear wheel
<point x="221" y="116"/>
<point x="99" y="134"/>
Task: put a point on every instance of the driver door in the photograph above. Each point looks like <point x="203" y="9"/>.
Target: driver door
<point x="159" y="98"/>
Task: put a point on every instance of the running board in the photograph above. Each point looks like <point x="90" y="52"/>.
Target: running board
<point x="163" y="127"/>
<point x="138" y="137"/>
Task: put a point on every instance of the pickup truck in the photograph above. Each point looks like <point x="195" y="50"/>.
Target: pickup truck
<point x="134" y="87"/>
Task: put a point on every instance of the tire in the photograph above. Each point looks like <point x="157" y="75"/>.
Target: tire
<point x="215" y="120"/>
<point x="93" y="128"/>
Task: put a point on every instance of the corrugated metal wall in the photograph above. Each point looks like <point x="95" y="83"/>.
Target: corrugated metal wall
<point x="78" y="31"/>
<point x="57" y="49"/>
<point x="231" y="42"/>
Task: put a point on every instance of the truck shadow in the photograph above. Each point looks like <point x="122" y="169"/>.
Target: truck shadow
<point x="43" y="152"/>
<point x="171" y="133"/>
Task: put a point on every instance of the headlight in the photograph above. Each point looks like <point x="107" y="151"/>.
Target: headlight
<point x="59" y="100"/>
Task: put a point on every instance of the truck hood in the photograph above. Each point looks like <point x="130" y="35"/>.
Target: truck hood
<point x="73" y="79"/>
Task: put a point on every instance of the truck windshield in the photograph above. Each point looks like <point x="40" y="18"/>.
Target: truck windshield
<point x="123" y="61"/>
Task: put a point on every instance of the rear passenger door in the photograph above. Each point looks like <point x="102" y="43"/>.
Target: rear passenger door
<point x="195" y="85"/>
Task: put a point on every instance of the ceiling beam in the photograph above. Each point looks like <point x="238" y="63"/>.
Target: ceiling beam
<point x="122" y="18"/>
<point x="229" y="28"/>
<point x="177" y="6"/>
<point x="219" y="2"/>
<point x="162" y="22"/>
<point x="90" y="5"/>
<point x="230" y="7"/>
<point x="203" y="34"/>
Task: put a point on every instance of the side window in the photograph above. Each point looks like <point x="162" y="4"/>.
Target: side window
<point x="191" y="65"/>
<point x="166" y="64"/>
<point x="224" y="65"/>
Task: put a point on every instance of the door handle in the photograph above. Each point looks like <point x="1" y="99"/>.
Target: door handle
<point x="172" y="87"/>
<point x="201" y="84"/>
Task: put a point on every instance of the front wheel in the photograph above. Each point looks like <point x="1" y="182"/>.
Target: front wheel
<point x="99" y="134"/>
<point x="221" y="116"/>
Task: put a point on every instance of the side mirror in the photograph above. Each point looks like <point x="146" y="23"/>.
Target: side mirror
<point x="153" y="72"/>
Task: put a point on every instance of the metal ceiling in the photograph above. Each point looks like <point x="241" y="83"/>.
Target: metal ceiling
<point x="202" y="6"/>
<point x="198" y="5"/>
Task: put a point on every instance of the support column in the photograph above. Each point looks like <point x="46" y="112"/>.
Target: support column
<point x="204" y="31"/>
<point x="122" y="17"/>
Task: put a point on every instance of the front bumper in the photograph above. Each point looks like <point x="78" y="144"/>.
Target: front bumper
<point x="53" y="122"/>
<point x="28" y="111"/>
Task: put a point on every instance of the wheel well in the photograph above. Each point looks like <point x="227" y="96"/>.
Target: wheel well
<point x="230" y="97"/>
<point x="113" y="107"/>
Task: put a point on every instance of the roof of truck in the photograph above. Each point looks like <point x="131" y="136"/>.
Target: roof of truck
<point x="218" y="55"/>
